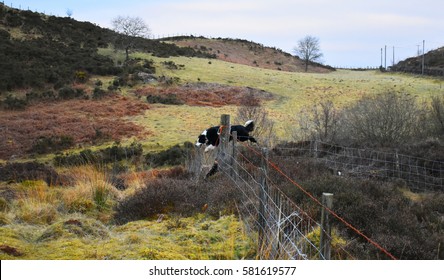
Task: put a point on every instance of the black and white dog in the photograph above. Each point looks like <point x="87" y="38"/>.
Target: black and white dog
<point x="210" y="136"/>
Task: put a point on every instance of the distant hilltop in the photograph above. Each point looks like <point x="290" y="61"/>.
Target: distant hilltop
<point x="433" y="64"/>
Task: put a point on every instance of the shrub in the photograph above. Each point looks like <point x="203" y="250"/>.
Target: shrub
<point x="175" y="155"/>
<point x="14" y="103"/>
<point x="169" y="98"/>
<point x="381" y="212"/>
<point x="28" y="171"/>
<point x="111" y="154"/>
<point x="157" y="197"/>
<point x="98" y="93"/>
<point x="45" y="145"/>
<point x="386" y="120"/>
<point x="181" y="196"/>
<point x="70" y="93"/>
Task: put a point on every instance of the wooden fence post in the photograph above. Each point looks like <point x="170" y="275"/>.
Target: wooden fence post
<point x="325" y="240"/>
<point x="224" y="137"/>
<point x="263" y="197"/>
<point x="234" y="169"/>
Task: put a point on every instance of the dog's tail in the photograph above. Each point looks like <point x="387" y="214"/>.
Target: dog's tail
<point x="249" y="125"/>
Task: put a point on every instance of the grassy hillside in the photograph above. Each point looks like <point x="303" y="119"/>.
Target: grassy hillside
<point x="248" y="53"/>
<point x="291" y="92"/>
<point x="433" y="64"/>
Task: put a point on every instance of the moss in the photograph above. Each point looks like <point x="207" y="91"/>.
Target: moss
<point x="337" y="243"/>
<point x="75" y="228"/>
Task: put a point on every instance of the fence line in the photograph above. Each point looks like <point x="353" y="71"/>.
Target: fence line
<point x="418" y="173"/>
<point x="284" y="230"/>
<point x="285" y="227"/>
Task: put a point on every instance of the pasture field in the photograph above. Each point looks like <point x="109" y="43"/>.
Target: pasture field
<point x="291" y="93"/>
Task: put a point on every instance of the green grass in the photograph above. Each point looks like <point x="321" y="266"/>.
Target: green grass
<point x="174" y="238"/>
<point x="69" y="222"/>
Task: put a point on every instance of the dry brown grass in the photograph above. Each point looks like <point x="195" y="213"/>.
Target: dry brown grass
<point x="92" y="192"/>
<point x="83" y="120"/>
<point x="36" y="203"/>
<point x="206" y="94"/>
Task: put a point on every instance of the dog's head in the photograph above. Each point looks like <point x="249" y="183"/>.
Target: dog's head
<point x="202" y="139"/>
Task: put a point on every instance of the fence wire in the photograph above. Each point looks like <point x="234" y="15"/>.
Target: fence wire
<point x="284" y="230"/>
<point x="418" y="173"/>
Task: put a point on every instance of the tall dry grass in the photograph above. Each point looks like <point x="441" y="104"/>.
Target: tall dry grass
<point x="92" y="191"/>
<point x="36" y="203"/>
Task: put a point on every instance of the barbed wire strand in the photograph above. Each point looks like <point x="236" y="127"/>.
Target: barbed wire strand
<point x="374" y="243"/>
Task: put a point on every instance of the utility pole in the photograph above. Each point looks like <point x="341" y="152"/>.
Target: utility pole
<point x="423" y="53"/>
<point x="385" y="57"/>
<point x="393" y="62"/>
<point x="381" y="57"/>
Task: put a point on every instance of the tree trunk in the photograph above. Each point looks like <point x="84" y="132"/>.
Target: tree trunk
<point x="127" y="53"/>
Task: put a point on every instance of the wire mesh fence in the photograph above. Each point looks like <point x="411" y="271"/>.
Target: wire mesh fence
<point x="418" y="173"/>
<point x="282" y="229"/>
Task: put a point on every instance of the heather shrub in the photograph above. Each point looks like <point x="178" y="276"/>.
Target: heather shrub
<point x="381" y="212"/>
<point x="184" y="197"/>
<point x="44" y="145"/>
<point x="175" y="155"/>
<point x="14" y="103"/>
<point x="28" y="171"/>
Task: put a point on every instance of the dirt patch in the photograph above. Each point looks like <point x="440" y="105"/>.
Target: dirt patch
<point x="206" y="94"/>
<point x="86" y="121"/>
<point x="10" y="250"/>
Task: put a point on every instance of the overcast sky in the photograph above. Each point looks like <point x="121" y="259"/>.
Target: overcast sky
<point x="351" y="32"/>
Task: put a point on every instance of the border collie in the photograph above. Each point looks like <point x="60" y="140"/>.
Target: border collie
<point x="210" y="136"/>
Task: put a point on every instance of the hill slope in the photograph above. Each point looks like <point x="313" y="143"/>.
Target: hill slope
<point x="36" y="49"/>
<point x="433" y="63"/>
<point x="248" y="53"/>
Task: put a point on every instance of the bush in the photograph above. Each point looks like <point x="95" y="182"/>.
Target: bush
<point x="19" y="172"/>
<point x="407" y="228"/>
<point x="111" y="154"/>
<point x="14" y="103"/>
<point x="169" y="99"/>
<point x="386" y="120"/>
<point x="70" y="93"/>
<point x="98" y="93"/>
<point x="175" y="155"/>
<point x="181" y="196"/>
<point x="52" y="144"/>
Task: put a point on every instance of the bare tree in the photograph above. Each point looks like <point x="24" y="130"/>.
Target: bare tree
<point x="319" y="123"/>
<point x="386" y="120"/>
<point x="69" y="12"/>
<point x="130" y="28"/>
<point x="308" y="50"/>
<point x="437" y="115"/>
